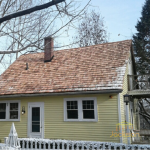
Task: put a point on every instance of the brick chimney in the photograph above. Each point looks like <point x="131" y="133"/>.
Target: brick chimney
<point x="48" y="49"/>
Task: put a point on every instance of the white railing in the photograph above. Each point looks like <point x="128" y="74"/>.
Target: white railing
<point x="138" y="82"/>
<point x="32" y="143"/>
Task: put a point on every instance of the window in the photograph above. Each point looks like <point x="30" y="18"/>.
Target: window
<point x="88" y="109"/>
<point x="9" y="111"/>
<point x="80" y="109"/>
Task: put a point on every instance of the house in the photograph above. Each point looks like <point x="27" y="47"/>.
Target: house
<point x="74" y="94"/>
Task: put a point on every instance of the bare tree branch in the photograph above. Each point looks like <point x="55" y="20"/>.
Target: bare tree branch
<point x="19" y="50"/>
<point x="28" y="11"/>
<point x="145" y="117"/>
<point x="144" y="112"/>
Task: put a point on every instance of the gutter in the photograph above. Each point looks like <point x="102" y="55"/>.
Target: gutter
<point x="127" y="119"/>
<point x="63" y="93"/>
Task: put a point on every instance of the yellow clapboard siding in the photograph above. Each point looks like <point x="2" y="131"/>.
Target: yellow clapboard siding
<point x="56" y="128"/>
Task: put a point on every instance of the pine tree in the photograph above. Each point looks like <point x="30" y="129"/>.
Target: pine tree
<point x="141" y="41"/>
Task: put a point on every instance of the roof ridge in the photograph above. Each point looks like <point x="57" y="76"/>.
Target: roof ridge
<point x="81" y="47"/>
<point x="96" y="45"/>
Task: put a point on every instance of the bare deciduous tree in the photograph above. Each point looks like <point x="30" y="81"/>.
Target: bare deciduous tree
<point x="25" y="34"/>
<point x="91" y="30"/>
<point x="144" y="111"/>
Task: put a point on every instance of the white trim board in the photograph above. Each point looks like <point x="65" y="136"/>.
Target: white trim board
<point x="29" y="133"/>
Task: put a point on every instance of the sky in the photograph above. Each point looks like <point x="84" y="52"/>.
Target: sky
<point x="120" y="17"/>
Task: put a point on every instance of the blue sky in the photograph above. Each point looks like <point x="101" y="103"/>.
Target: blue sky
<point x="120" y="16"/>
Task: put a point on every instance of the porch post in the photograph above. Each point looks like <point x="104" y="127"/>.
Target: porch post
<point x="127" y="119"/>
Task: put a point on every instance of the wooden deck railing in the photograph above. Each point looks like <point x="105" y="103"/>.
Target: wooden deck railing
<point x="138" y="82"/>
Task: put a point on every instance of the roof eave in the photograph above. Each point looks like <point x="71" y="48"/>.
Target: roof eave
<point x="64" y="93"/>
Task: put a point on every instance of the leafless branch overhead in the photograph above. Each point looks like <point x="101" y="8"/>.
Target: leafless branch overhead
<point x="28" y="11"/>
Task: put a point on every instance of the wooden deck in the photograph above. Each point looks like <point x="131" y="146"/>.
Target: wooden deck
<point x="144" y="132"/>
<point x="140" y="93"/>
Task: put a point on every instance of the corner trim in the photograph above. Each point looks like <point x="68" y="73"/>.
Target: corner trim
<point x="119" y="117"/>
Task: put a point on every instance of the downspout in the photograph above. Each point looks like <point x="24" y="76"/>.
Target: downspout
<point x="119" y="117"/>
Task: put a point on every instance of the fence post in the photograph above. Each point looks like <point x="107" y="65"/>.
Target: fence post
<point x="12" y="140"/>
<point x="5" y="139"/>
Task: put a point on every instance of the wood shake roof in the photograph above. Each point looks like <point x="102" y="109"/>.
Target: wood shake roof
<point x="97" y="67"/>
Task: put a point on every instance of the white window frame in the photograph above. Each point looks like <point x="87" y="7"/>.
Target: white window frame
<point x="80" y="112"/>
<point x="8" y="109"/>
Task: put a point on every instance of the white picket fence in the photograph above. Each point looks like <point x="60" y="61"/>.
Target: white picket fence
<point x="15" y="143"/>
<point x="31" y="143"/>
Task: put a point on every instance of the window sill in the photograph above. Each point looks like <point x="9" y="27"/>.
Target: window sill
<point x="86" y="120"/>
<point x="4" y="120"/>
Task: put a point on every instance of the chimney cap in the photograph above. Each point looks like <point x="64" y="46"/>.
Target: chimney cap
<point x="48" y="37"/>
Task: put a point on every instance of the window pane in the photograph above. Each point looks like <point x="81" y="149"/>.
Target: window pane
<point x="72" y="114"/>
<point x="88" y="114"/>
<point x="13" y="114"/>
<point x="88" y="104"/>
<point x="36" y="114"/>
<point x="13" y="106"/>
<point x="13" y="111"/>
<point x="68" y="105"/>
<point x="2" y="115"/>
<point x="2" y="106"/>
<point x="84" y="103"/>
<point x="2" y="110"/>
<point x="72" y="105"/>
<point x="92" y="106"/>
<point x="35" y="128"/>
<point x="35" y="119"/>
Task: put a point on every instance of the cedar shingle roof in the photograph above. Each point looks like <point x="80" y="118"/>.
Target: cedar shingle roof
<point x="95" y="67"/>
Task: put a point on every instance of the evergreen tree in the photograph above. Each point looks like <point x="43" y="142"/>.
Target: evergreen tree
<point x="141" y="41"/>
<point x="141" y="44"/>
